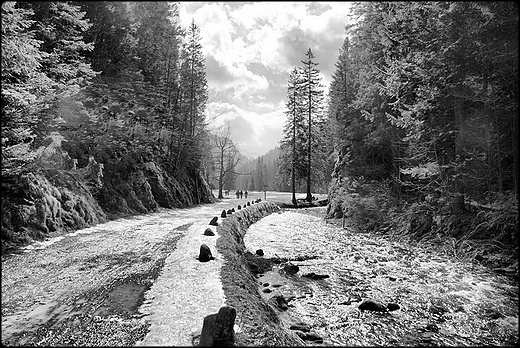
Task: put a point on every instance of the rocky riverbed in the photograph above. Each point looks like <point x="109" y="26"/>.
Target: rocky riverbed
<point x="437" y="301"/>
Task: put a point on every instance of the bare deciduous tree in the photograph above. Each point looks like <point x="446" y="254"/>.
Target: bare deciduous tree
<point x="227" y="155"/>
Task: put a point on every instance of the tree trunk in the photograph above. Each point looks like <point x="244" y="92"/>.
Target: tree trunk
<point x="309" y="196"/>
<point x="293" y="174"/>
<point x="221" y="175"/>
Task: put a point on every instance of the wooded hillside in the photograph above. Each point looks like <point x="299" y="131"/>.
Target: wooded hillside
<point x="102" y="114"/>
<point x="424" y="104"/>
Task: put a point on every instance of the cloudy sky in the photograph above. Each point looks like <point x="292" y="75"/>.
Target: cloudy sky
<point x="250" y="48"/>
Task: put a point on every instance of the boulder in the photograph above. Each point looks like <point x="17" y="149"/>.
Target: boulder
<point x="214" y="222"/>
<point x="233" y="210"/>
<point x="280" y="302"/>
<point x="315" y="276"/>
<point x="239" y="207"/>
<point x="289" y="268"/>
<point x="392" y="307"/>
<point x="229" y="212"/>
<point x="372" y="305"/>
<point x="223" y="213"/>
<point x="209" y="232"/>
<point x="217" y="329"/>
<point x="301" y="326"/>
<point x="248" y="204"/>
<point x="205" y="253"/>
<point x="313" y="337"/>
<point x="267" y="290"/>
<point x="260" y="252"/>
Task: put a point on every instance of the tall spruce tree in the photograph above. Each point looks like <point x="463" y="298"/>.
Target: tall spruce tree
<point x="313" y="98"/>
<point x="193" y="96"/>
<point x="293" y="142"/>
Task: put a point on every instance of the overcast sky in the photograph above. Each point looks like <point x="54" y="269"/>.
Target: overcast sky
<point x="250" y="48"/>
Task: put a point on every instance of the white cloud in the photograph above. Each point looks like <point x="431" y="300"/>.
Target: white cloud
<point x="250" y="49"/>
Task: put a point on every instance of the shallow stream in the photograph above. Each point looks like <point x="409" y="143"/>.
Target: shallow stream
<point x="442" y="301"/>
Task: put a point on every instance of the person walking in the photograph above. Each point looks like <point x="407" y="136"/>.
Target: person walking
<point x="246" y="194"/>
<point x="241" y="193"/>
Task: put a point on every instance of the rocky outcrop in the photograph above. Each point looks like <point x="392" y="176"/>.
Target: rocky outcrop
<point x="148" y="187"/>
<point x="39" y="207"/>
<point x="68" y="197"/>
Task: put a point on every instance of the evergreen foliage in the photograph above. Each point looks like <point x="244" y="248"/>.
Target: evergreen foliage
<point x="304" y="145"/>
<point x="116" y="86"/>
<point x="424" y="100"/>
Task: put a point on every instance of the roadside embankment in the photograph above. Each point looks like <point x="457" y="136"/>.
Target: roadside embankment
<point x="257" y="320"/>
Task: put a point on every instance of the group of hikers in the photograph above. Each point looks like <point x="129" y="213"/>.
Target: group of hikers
<point x="239" y="194"/>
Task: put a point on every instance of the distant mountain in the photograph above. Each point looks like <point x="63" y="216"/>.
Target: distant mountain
<point x="260" y="171"/>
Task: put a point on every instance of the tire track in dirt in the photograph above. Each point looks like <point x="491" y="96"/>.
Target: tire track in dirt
<point x="85" y="288"/>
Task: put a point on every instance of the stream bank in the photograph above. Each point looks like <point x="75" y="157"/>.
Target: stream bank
<point x="257" y="320"/>
<point x="436" y="299"/>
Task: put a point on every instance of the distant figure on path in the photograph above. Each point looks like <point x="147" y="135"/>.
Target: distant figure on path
<point x="246" y="194"/>
<point x="238" y="194"/>
<point x="241" y="194"/>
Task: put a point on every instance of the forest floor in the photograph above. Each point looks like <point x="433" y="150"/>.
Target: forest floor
<point x="137" y="281"/>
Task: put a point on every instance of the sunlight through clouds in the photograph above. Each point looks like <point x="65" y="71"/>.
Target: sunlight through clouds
<point x="250" y="49"/>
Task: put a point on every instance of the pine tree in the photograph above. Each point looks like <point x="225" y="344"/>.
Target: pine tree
<point x="313" y="97"/>
<point x="193" y="96"/>
<point x="42" y="59"/>
<point x="112" y="36"/>
<point x="292" y="144"/>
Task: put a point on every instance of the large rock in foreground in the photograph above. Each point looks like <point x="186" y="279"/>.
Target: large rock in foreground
<point x="217" y="329"/>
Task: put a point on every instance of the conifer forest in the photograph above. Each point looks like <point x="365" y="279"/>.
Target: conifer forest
<point x="395" y="182"/>
<point x="103" y="113"/>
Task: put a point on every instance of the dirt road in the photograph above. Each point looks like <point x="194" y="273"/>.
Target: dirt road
<point x="88" y="287"/>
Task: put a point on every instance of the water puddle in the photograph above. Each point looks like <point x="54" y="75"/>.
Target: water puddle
<point x="441" y="302"/>
<point x="123" y="300"/>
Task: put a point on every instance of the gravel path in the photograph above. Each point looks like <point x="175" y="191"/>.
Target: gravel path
<point x="121" y="283"/>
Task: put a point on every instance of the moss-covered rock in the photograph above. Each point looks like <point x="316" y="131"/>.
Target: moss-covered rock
<point x="38" y="206"/>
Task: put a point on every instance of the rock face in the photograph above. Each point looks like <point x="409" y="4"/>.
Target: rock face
<point x="35" y="206"/>
<point x="205" y="253"/>
<point x="214" y="222"/>
<point x="143" y="187"/>
<point x="209" y="232"/>
<point x="217" y="329"/>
